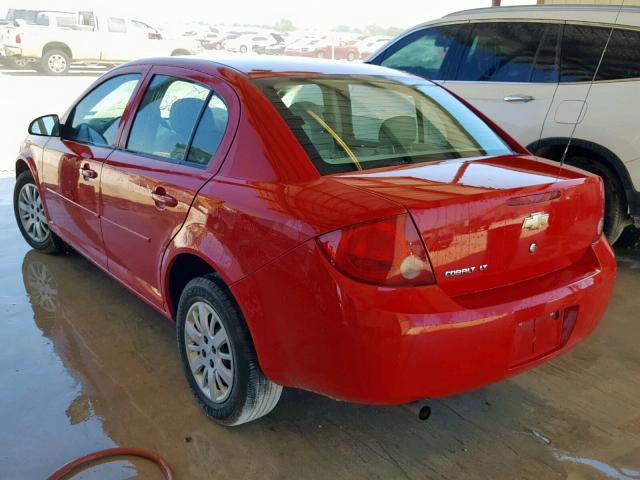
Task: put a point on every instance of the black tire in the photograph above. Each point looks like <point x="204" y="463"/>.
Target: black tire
<point x="616" y="217"/>
<point x="243" y="49"/>
<point x="52" y="243"/>
<point x="252" y="395"/>
<point x="55" y="62"/>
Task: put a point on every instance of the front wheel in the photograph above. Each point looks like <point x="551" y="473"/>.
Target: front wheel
<point x="55" y="62"/>
<point x="218" y="357"/>
<point x="31" y="218"/>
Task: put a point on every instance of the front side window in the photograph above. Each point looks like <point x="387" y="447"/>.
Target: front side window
<point x="510" y="52"/>
<point x="357" y="123"/>
<point x="428" y="53"/>
<point x="96" y="117"/>
<point x="165" y="124"/>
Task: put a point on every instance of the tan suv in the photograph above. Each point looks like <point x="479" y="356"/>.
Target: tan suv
<point x="529" y="69"/>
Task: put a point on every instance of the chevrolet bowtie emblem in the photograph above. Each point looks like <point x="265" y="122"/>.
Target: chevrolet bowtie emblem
<point x="536" y="221"/>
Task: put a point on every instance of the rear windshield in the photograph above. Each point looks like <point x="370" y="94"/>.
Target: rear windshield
<point x="358" y="123"/>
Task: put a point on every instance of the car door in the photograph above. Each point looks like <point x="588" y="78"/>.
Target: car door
<point x="175" y="142"/>
<point x="117" y="44"/>
<point x="509" y="71"/>
<point x="610" y="100"/>
<point x="72" y="163"/>
<point x="148" y="41"/>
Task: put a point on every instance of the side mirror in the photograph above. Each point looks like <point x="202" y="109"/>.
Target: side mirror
<point x="45" y="126"/>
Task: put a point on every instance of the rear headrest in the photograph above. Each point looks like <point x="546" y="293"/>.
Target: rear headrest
<point x="184" y="114"/>
<point x="301" y="108"/>
<point x="399" y="131"/>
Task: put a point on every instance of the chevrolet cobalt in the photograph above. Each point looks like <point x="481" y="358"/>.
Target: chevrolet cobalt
<point x="342" y="228"/>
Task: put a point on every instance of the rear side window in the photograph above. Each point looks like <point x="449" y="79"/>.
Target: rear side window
<point x="210" y="131"/>
<point x="95" y="118"/>
<point x="510" y="52"/>
<point x="428" y="53"/>
<point x="622" y="58"/>
<point x="581" y="51"/>
<point x="178" y="120"/>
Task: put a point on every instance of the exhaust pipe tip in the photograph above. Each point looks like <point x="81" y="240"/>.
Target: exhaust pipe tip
<point x="424" y="413"/>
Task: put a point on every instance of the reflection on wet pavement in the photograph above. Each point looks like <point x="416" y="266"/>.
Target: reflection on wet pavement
<point x="85" y="365"/>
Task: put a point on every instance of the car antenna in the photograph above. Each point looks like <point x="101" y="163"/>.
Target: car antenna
<point x="593" y="79"/>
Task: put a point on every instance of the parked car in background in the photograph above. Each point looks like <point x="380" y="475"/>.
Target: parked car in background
<point x="529" y="68"/>
<point x="9" y="29"/>
<point x="324" y="48"/>
<point x="370" y="45"/>
<point x="94" y="39"/>
<point x="275" y="45"/>
<point x="248" y="43"/>
<point x="415" y="242"/>
<point x="212" y="41"/>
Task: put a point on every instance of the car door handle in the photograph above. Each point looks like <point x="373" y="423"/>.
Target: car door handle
<point x="163" y="199"/>
<point x="518" y="98"/>
<point x="88" y="173"/>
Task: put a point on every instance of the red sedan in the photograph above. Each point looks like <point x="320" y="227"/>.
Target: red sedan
<point x="342" y="228"/>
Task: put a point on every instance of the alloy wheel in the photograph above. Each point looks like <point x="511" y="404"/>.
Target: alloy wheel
<point x="32" y="217"/>
<point x="209" y="351"/>
<point x="57" y="63"/>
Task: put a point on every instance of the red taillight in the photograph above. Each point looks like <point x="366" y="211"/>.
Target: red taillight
<point x="383" y="252"/>
<point x="18" y="38"/>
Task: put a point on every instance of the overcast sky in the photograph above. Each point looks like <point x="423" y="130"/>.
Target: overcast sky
<point x="304" y="14"/>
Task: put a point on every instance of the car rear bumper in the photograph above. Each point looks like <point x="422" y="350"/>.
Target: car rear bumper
<point x="316" y="329"/>
<point x="8" y="51"/>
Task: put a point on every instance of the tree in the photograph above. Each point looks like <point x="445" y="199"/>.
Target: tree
<point x="284" y="25"/>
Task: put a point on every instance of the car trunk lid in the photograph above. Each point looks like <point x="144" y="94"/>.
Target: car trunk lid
<point x="494" y="221"/>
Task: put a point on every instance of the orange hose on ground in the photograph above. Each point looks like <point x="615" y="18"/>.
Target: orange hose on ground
<point x="113" y="452"/>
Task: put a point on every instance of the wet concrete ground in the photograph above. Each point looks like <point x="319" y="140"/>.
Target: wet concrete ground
<point x="85" y="365"/>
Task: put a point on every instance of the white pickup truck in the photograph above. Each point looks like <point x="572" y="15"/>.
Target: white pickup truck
<point x="93" y="38"/>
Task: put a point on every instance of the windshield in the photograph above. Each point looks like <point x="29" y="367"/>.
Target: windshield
<point x="356" y="123"/>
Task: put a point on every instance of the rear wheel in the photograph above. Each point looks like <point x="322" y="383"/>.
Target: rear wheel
<point x="243" y="49"/>
<point x="31" y="218"/>
<point x="616" y="218"/>
<point x="218" y="357"/>
<point x="55" y="62"/>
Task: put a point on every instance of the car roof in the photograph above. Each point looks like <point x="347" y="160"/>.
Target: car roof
<point x="265" y="65"/>
<point x="629" y="15"/>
